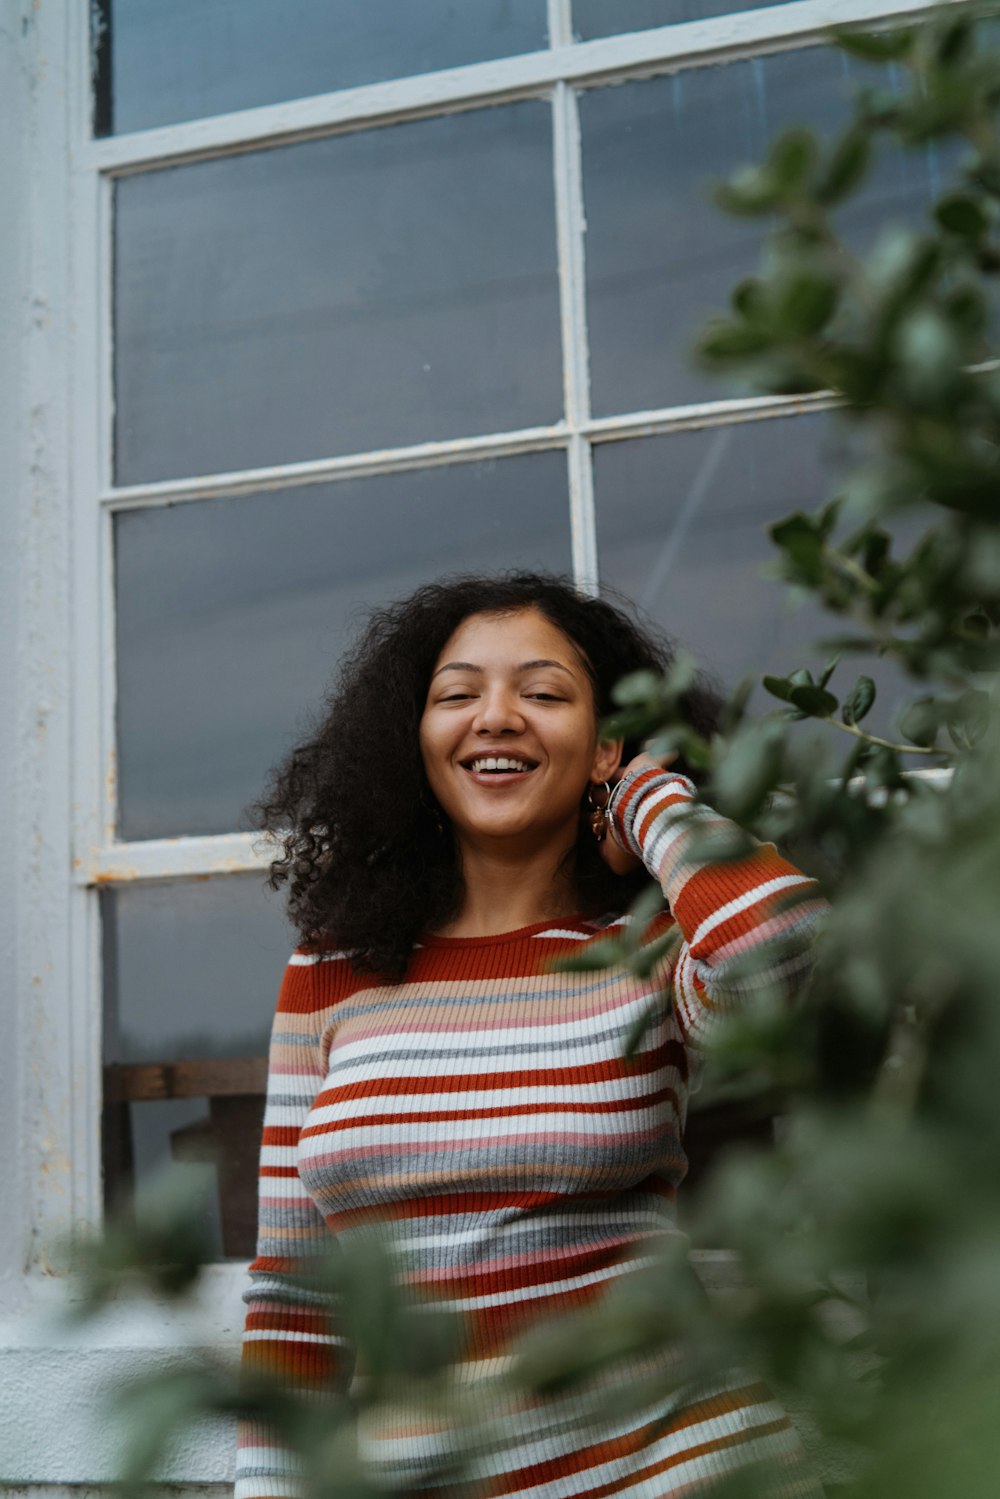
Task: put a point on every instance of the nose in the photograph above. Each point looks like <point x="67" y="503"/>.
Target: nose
<point x="499" y="713"/>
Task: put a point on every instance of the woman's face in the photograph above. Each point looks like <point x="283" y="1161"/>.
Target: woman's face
<point x="509" y="731"/>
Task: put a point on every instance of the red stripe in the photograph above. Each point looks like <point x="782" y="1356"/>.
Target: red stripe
<point x="670" y="1054"/>
<point x="500" y="1111"/>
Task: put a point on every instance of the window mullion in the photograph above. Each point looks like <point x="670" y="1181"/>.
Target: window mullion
<point x="606" y="60"/>
<point x="570" y="223"/>
<point x="174" y="858"/>
<point x="327" y="470"/>
<point x="560" y="18"/>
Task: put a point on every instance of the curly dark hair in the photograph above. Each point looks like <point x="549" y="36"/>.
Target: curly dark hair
<point x="367" y="865"/>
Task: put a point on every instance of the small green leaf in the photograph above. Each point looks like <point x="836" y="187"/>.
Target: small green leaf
<point x="727" y="341"/>
<point x="969" y="718"/>
<point x="749" y="770"/>
<point x="828" y="516"/>
<point x="828" y="670"/>
<point x="636" y="689"/>
<point x="644" y="909"/>
<point x="860" y="701"/>
<point x="955" y="42"/>
<point x="880" y="46"/>
<point x="875" y="554"/>
<point x="814" y="702"/>
<point x="921" y="721"/>
<point x="749" y="193"/>
<point x="806" y="303"/>
<point x="652" y="954"/>
<point x="799" y="537"/>
<point x="846" y="166"/>
<point x="929" y="353"/>
<point x="962" y="214"/>
<point x="749" y="298"/>
<point x="790" y="157"/>
<point x="639" y="1027"/>
<point x="779" y="687"/>
<point x="594" y="958"/>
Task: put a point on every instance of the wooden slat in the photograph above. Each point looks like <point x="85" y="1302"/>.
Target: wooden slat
<point x="224" y="1077"/>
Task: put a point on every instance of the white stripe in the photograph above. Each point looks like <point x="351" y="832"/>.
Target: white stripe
<point x="476" y="1065"/>
<point x="282" y="1335"/>
<point x="558" y="931"/>
<point x="307" y="959"/>
<point x="288" y="1115"/>
<point x="295" y="1083"/>
<point x="501" y="1233"/>
<point x="257" y="1456"/>
<point x="630" y="1085"/>
<point x="551" y="1288"/>
<point x="276" y="1484"/>
<point x="744" y="902"/>
<point x="612" y="1018"/>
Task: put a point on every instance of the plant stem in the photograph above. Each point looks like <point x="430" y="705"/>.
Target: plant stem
<point x="903" y="749"/>
<point x="901" y="1074"/>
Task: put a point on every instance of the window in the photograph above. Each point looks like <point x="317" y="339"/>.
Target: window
<point x="388" y="295"/>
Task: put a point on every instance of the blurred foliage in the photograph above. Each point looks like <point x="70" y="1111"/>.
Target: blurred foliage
<point x="870" y="1236"/>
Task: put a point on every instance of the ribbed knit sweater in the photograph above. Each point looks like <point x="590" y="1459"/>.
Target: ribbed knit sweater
<point x="483" y="1109"/>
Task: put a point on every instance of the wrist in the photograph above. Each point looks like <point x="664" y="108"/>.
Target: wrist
<point x="628" y="795"/>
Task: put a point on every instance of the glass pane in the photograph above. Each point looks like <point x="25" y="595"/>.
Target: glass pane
<point x="681" y="523"/>
<point x="232" y="614"/>
<point x="160" y="61"/>
<point x="593" y="18"/>
<point x="192" y="973"/>
<point x="362" y="291"/>
<point x="660" y="257"/>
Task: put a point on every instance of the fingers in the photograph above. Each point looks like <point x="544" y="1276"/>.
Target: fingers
<point x="645" y="761"/>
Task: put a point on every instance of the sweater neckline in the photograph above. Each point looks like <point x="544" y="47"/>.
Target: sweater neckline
<point x="585" y="924"/>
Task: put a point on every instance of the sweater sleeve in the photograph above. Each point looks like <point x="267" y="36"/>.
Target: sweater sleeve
<point x="757" y="905"/>
<point x="291" y="1331"/>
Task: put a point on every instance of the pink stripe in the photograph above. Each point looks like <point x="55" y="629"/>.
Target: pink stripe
<point x="416" y="1147"/>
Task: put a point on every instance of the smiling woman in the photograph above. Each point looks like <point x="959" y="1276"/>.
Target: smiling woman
<point x="434" y="1073"/>
<point x="510" y="746"/>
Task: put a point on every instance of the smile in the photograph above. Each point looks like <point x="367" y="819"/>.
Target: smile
<point x="498" y="765"/>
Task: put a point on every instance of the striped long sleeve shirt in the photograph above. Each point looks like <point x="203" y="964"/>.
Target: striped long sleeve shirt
<point x="483" y="1111"/>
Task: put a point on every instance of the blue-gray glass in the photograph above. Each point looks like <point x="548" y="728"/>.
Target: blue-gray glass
<point x="192" y="971"/>
<point x="160" y="61"/>
<point x="192" y="968"/>
<point x="232" y="614"/>
<point x="661" y="258"/>
<point x="681" y="531"/>
<point x="592" y="18"/>
<point x="363" y="291"/>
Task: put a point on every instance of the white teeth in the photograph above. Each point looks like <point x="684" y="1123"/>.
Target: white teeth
<point x="499" y="762"/>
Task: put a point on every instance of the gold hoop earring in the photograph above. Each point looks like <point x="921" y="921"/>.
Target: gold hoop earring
<point x="597" y="812"/>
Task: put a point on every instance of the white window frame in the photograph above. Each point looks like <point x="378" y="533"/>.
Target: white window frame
<point x="62" y="504"/>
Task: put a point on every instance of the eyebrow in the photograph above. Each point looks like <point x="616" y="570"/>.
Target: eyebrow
<point x="524" y="666"/>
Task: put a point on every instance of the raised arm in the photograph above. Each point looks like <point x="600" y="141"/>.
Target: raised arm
<point x="291" y="1333"/>
<point x="726" y="910"/>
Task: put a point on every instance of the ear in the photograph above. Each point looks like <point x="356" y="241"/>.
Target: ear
<point x="607" y="759"/>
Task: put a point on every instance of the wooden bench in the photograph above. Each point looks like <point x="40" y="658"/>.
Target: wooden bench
<point x="227" y="1138"/>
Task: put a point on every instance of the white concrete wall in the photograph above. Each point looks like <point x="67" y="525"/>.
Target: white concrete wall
<point x="13" y="258"/>
<point x="55" y="1437"/>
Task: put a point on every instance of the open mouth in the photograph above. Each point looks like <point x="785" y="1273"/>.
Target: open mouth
<point x="499" y="765"/>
